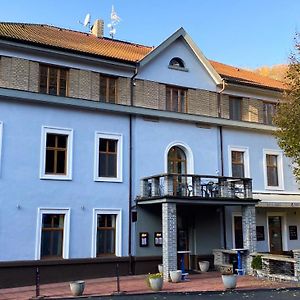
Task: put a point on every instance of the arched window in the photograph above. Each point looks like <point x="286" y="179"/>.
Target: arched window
<point x="176" y="62"/>
<point x="176" y="161"/>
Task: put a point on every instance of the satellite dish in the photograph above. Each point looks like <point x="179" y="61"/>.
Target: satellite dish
<point x="87" y="20"/>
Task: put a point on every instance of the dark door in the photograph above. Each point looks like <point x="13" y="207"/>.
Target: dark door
<point x="183" y="240"/>
<point x="238" y="232"/>
<point x="275" y="234"/>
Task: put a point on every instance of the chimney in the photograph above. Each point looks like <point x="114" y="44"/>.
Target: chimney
<point x="98" y="28"/>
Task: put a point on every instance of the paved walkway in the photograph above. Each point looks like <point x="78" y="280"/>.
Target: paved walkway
<point x="210" y="281"/>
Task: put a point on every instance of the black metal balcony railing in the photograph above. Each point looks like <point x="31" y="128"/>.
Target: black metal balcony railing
<point x="204" y="186"/>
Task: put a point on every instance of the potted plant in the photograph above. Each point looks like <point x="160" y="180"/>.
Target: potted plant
<point x="155" y="281"/>
<point x="176" y="275"/>
<point x="229" y="279"/>
<point x="77" y="287"/>
<point x="203" y="265"/>
<point x="160" y="268"/>
<point x="256" y="265"/>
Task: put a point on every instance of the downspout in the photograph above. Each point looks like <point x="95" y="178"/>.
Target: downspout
<point x="222" y="159"/>
<point x="130" y="176"/>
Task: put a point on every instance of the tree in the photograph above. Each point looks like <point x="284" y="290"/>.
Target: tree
<point x="287" y="117"/>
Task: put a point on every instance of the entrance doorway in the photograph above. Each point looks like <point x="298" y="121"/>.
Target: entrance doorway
<point x="177" y="165"/>
<point x="275" y="234"/>
<point x="238" y="232"/>
<point x="183" y="240"/>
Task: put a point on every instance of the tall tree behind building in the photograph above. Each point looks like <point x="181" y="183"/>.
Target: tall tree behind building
<point x="288" y="112"/>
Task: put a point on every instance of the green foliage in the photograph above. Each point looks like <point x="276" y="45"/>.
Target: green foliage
<point x="153" y="276"/>
<point x="226" y="270"/>
<point x="287" y="117"/>
<point x="256" y="263"/>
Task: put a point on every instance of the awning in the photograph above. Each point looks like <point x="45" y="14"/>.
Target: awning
<point x="278" y="200"/>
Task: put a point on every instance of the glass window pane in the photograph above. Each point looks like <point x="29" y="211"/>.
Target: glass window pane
<point x="63" y="83"/>
<point x="62" y="141"/>
<point x="112" y="145"/>
<point x="49" y="161"/>
<point x="102" y="145"/>
<point x="61" y="162"/>
<point x="103" y="88"/>
<point x="43" y="79"/>
<point x="102" y="165"/>
<point x="168" y="99"/>
<point x="50" y="142"/>
<point x="182" y="101"/>
<point x="53" y="81"/>
<point x="175" y="100"/>
<point x="112" y="90"/>
<point x="112" y="165"/>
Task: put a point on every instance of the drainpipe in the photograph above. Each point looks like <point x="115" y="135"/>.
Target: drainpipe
<point x="222" y="159"/>
<point x="130" y="176"/>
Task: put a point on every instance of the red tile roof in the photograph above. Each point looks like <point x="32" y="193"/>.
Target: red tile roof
<point x="51" y="36"/>
<point x="73" y="40"/>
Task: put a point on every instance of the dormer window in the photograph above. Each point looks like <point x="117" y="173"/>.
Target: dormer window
<point x="177" y="63"/>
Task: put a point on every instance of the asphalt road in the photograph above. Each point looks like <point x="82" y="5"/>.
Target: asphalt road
<point x="282" y="294"/>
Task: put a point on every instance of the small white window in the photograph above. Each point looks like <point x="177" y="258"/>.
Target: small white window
<point x="56" y="153"/>
<point x="1" y="137"/>
<point x="107" y="233"/>
<point x="53" y="227"/>
<point x="108" y="157"/>
<point x="238" y="158"/>
<point x="273" y="169"/>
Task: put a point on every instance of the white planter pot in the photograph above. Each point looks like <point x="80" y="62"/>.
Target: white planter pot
<point x="204" y="265"/>
<point x="156" y="284"/>
<point x="260" y="273"/>
<point x="176" y="275"/>
<point x="160" y="268"/>
<point x="77" y="287"/>
<point x="229" y="281"/>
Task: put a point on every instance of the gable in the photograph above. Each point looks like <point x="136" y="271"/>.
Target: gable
<point x="194" y="75"/>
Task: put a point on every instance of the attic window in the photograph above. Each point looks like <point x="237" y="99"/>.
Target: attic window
<point x="177" y="64"/>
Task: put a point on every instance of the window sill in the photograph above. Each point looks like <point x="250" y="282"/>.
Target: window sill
<point x="56" y="177"/>
<point x="178" y="68"/>
<point x="274" y="188"/>
<point x="107" y="179"/>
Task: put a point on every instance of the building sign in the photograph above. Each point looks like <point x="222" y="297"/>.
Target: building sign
<point x="293" y="232"/>
<point x="158" y="239"/>
<point x="144" y="239"/>
<point x="260" y="233"/>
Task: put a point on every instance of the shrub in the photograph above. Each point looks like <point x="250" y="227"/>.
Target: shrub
<point x="256" y="263"/>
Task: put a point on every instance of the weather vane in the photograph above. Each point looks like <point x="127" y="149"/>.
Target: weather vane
<point x="114" y="21"/>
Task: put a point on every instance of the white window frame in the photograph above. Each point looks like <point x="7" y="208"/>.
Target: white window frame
<point x="111" y="136"/>
<point x="118" y="237"/>
<point x="1" y="137"/>
<point x="66" y="235"/>
<point x="279" y="154"/>
<point x="56" y="130"/>
<point x="245" y="150"/>
<point x="284" y="229"/>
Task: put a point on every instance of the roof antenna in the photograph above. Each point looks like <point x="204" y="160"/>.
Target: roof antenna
<point x="86" y="22"/>
<point x="114" y="21"/>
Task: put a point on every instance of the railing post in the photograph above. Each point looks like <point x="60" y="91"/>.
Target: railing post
<point x="196" y="182"/>
<point x="155" y="186"/>
<point x="247" y="188"/>
<point x="144" y="188"/>
<point x="168" y="185"/>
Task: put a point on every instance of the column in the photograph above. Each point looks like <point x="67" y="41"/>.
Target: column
<point x="169" y="230"/>
<point x="249" y="234"/>
<point x="296" y="254"/>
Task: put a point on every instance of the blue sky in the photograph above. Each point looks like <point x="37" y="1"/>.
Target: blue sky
<point x="244" y="33"/>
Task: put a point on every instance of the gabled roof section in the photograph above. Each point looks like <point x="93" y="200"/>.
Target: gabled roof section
<point x="65" y="39"/>
<point x="181" y="33"/>
<point x="240" y="76"/>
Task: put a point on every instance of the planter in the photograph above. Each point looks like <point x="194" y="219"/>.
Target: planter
<point x="156" y="284"/>
<point x="176" y="275"/>
<point x="204" y="265"/>
<point x="229" y="281"/>
<point x="77" y="287"/>
<point x="259" y="273"/>
<point x="160" y="268"/>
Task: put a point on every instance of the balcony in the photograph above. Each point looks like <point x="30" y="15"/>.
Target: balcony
<point x="195" y="187"/>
